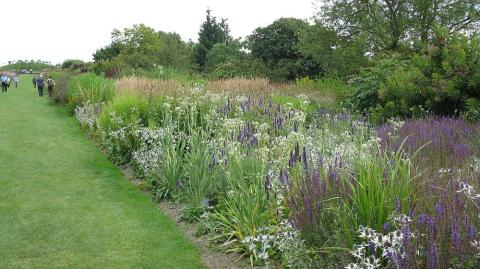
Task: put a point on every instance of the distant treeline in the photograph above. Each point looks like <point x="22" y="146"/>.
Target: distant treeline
<point x="34" y="65"/>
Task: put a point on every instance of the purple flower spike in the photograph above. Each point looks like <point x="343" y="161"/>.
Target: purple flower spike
<point x="432" y="256"/>
<point x="397" y="205"/>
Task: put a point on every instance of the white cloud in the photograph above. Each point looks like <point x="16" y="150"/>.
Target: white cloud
<point x="56" y="30"/>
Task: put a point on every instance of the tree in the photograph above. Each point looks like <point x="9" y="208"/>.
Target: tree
<point x="277" y="45"/>
<point x="221" y="53"/>
<point x="453" y="15"/>
<point x="211" y="33"/>
<point x="383" y="22"/>
<point x="107" y="53"/>
<point x="335" y="55"/>
<point x="175" y="52"/>
<point x="396" y="24"/>
<point x="142" y="47"/>
<point x="230" y="60"/>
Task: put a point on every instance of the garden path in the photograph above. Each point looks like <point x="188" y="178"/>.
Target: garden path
<point x="63" y="204"/>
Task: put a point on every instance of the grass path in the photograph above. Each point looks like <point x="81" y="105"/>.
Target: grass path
<point x="64" y="205"/>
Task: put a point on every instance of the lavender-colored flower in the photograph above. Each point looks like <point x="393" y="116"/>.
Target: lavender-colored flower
<point x="386" y="227"/>
<point x="291" y="161"/>
<point x="397" y="205"/>
<point x="422" y="219"/>
<point x="439" y="209"/>
<point x="432" y="257"/>
<point x="371" y="247"/>
<point x="455" y="236"/>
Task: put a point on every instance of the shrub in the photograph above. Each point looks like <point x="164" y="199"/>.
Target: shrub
<point x="440" y="80"/>
<point x="62" y="85"/>
<point x="246" y="206"/>
<point x="118" y="122"/>
<point x="90" y="88"/>
<point x="472" y="110"/>
<point x="73" y="64"/>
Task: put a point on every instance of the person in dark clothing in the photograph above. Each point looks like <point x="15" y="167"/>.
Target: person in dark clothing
<point x="40" y="85"/>
<point x="50" y="84"/>
<point x="34" y="80"/>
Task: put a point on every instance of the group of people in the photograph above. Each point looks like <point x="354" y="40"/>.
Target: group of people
<point x="6" y="79"/>
<point x="39" y="83"/>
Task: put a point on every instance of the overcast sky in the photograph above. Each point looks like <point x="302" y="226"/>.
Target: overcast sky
<point x="55" y="30"/>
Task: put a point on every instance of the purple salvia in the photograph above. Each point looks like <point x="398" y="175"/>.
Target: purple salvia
<point x="432" y="256"/>
<point x="439" y="209"/>
<point x="386" y="227"/>
<point x="397" y="205"/>
<point x="291" y="161"/>
<point x="422" y="219"/>
<point x="455" y="236"/>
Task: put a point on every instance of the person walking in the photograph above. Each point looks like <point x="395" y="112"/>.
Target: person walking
<point x="34" y="80"/>
<point x="50" y="85"/>
<point x="15" y="80"/>
<point x="40" y="84"/>
<point x="4" y="80"/>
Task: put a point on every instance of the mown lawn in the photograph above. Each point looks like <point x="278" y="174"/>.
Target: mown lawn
<point x="64" y="205"/>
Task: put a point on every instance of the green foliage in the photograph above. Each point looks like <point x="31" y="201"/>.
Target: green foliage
<point x="243" y="66"/>
<point x="277" y="45"/>
<point x="439" y="81"/>
<point x="141" y="47"/>
<point x="378" y="184"/>
<point x="211" y="33"/>
<point x="245" y="208"/>
<point x="202" y="183"/>
<point x="122" y="117"/>
<point x="221" y="53"/>
<point x="170" y="174"/>
<point x="110" y="68"/>
<point x="472" y="110"/>
<point x="73" y="64"/>
<point x="338" y="88"/>
<point x="107" y="53"/>
<point x="164" y="73"/>
<point x="62" y="85"/>
<point x="90" y="88"/>
<point x="33" y="65"/>
<point x="399" y="24"/>
<point x="334" y="55"/>
<point x="129" y="109"/>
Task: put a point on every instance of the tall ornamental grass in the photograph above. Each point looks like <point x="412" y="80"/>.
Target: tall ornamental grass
<point x="90" y="88"/>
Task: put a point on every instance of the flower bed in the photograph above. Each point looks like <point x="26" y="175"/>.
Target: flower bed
<point x="288" y="184"/>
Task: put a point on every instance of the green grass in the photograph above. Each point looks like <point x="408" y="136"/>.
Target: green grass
<point x="64" y="205"/>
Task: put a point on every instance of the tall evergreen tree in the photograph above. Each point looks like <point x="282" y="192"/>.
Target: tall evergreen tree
<point x="211" y="32"/>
